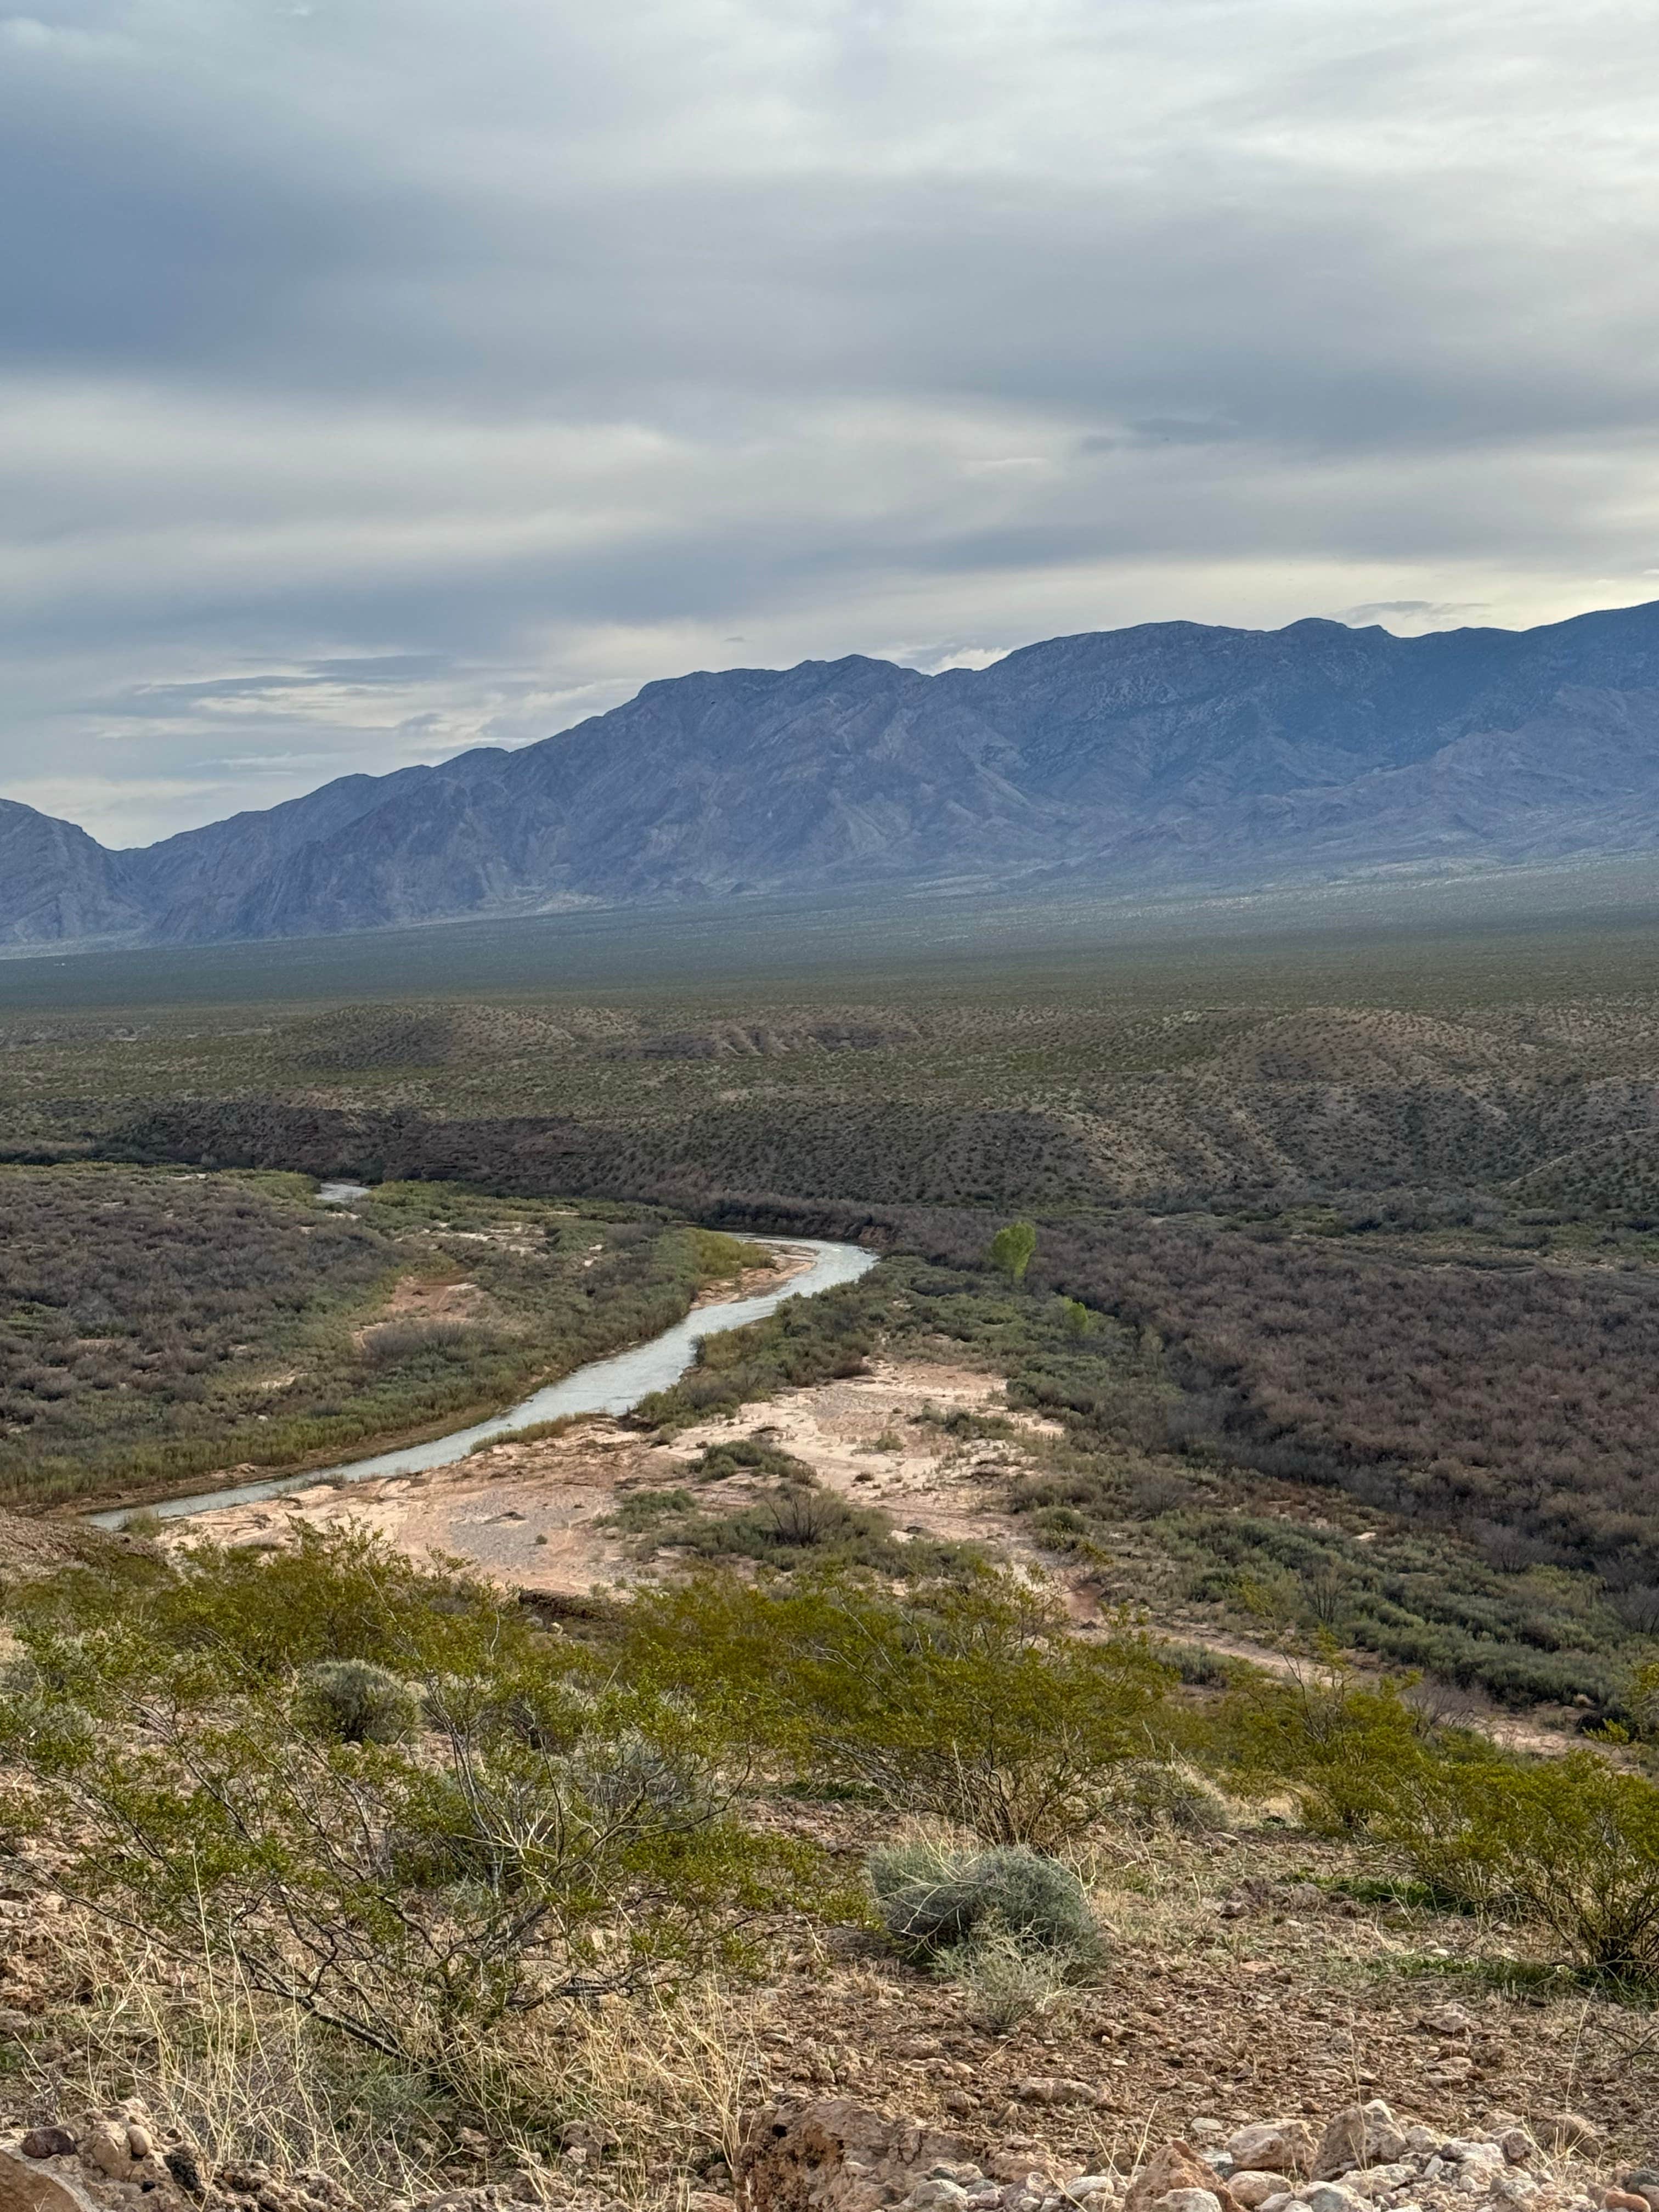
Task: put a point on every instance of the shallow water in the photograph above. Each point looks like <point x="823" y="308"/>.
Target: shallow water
<point x="604" y="1386"/>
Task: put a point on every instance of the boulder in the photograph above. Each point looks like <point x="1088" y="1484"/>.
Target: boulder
<point x="1273" y="2146"/>
<point x="1359" y="2135"/>
<point x="1169" y="2172"/>
<point x="834" y="2154"/>
<point x="25" y="2187"/>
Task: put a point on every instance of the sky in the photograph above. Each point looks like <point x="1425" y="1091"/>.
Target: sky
<point x="381" y="378"/>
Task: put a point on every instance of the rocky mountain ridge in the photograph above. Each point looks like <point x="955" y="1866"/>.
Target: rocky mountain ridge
<point x="1167" y="756"/>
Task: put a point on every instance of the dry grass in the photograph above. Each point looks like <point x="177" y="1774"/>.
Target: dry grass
<point x="245" y="2079"/>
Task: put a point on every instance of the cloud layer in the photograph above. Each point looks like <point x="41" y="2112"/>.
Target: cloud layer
<point x="381" y="377"/>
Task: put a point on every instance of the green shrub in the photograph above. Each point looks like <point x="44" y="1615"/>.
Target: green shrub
<point x="932" y="1900"/>
<point x="719" y="1258"/>
<point x="354" y="1701"/>
<point x="1150" y="1793"/>
<point x="550" y="1834"/>
<point x="1012" y="1248"/>
<point x="1570" y="1843"/>
<point x="968" y="1701"/>
<point x="747" y="1455"/>
<point x="1346" y="1749"/>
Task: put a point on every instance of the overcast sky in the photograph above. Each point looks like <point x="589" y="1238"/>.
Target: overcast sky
<point x="383" y="377"/>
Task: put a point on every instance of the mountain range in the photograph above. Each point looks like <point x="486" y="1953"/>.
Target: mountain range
<point x="1169" y="756"/>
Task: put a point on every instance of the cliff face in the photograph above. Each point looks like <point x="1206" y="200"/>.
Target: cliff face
<point x="1168" y="755"/>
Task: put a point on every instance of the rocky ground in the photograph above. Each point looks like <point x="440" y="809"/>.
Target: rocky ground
<point x="839" y="2155"/>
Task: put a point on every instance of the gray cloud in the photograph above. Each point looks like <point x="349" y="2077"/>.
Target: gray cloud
<point x="377" y="380"/>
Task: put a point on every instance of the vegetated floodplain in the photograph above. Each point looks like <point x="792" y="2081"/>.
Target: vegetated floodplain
<point x="1366" y="1224"/>
<point x="158" y="1323"/>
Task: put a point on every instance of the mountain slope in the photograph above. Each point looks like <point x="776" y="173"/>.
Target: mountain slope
<point x="57" y="885"/>
<point x="1170" y="754"/>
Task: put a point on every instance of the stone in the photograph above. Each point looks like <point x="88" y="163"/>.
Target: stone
<point x="105" y="2148"/>
<point x="181" y="2161"/>
<point x="1371" y="2182"/>
<point x="1623" y="2200"/>
<point x="1189" y="2200"/>
<point x="1449" y="2020"/>
<point x="139" y="2142"/>
<point x="1175" y="2169"/>
<point x="1641" y="2181"/>
<point x="1089" y="2184"/>
<point x="1253" y="2188"/>
<point x="1273" y="2146"/>
<point x="937" y="2195"/>
<point x="47" y="2142"/>
<point x="1333" y="2197"/>
<point x="1517" y="2146"/>
<point x="29" y="2188"/>
<point x="1517" y="2186"/>
<point x="1423" y="2143"/>
<point x="834" y="2154"/>
<point x="1359" y="2135"/>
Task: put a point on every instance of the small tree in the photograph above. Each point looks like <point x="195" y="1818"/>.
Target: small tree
<point x="1011" y="1249"/>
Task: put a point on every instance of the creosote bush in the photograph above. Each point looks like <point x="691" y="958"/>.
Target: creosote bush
<point x="1570" y="1843"/>
<point x="968" y="1701"/>
<point x="553" y="1831"/>
<point x="1344" y="1747"/>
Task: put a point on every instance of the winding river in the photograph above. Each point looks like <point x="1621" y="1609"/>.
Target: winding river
<point x="604" y="1386"/>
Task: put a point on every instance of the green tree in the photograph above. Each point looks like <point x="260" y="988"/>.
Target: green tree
<point x="1011" y="1249"/>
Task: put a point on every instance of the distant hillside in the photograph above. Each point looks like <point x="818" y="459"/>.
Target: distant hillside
<point x="1168" y="756"/>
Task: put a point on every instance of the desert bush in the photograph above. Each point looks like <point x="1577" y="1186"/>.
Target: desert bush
<point x="1151" y="1793"/>
<point x="965" y="1700"/>
<point x="933" y="1899"/>
<point x="1570" y="1843"/>
<point x="354" y="1701"/>
<point x="1007" y="1981"/>
<point x="548" y="1832"/>
<point x="1346" y="1748"/>
<point x="1012" y="1248"/>
<point x="747" y="1455"/>
<point x="719" y="1258"/>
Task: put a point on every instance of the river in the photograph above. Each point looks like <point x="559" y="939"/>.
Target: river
<point x="604" y="1386"/>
